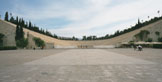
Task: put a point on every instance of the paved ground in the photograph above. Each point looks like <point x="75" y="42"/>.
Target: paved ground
<point x="81" y="65"/>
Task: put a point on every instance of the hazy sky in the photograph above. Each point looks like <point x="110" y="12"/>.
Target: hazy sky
<point x="82" y="17"/>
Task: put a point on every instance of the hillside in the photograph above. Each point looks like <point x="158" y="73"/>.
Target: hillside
<point x="9" y="30"/>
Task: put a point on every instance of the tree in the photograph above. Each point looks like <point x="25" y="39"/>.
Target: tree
<point x="149" y="40"/>
<point x="107" y="36"/>
<point x="19" y="32"/>
<point x="6" y="16"/>
<point x="117" y="33"/>
<point x="39" y="42"/>
<point x="84" y="38"/>
<point x="17" y="37"/>
<point x="73" y="38"/>
<point x="160" y="39"/>
<point x="22" y="43"/>
<point x="157" y="33"/>
<point x="139" y="21"/>
<point x="20" y="40"/>
<point x="89" y="38"/>
<point x="55" y="36"/>
<point x="142" y="35"/>
<point x="94" y="37"/>
<point x="138" y="25"/>
<point x="30" y="25"/>
<point x="12" y="20"/>
<point x="17" y="20"/>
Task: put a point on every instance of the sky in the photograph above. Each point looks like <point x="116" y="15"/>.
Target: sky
<point x="82" y="17"/>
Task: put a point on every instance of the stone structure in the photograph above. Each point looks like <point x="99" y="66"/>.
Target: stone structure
<point x="9" y="32"/>
<point x="157" y="28"/>
<point x="8" y="29"/>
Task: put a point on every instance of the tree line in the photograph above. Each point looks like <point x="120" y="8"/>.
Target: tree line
<point x="25" y="24"/>
<point x="117" y="33"/>
<point x="30" y="26"/>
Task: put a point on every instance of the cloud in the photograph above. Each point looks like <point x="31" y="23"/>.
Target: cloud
<point x="89" y="17"/>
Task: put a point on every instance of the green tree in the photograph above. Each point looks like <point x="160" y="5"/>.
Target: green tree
<point x="138" y="25"/>
<point x="160" y="39"/>
<point x="94" y="37"/>
<point x="17" y="37"/>
<point x="73" y="38"/>
<point x="149" y="40"/>
<point x="107" y="36"/>
<point x="17" y="20"/>
<point x="55" y="36"/>
<point x="19" y="32"/>
<point x="22" y="43"/>
<point x="6" y="16"/>
<point x="139" y="21"/>
<point x="39" y="42"/>
<point x="30" y="25"/>
<point x="84" y="38"/>
<point x="142" y="35"/>
<point x="89" y="38"/>
<point x="157" y="33"/>
<point x="12" y="20"/>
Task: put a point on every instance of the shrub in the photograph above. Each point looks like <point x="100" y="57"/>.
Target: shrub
<point x="157" y="33"/>
<point x="22" y="43"/>
<point x="142" y="35"/>
<point x="39" y="42"/>
<point x="157" y="46"/>
<point x="149" y="40"/>
<point x="8" y="48"/>
<point x="131" y="42"/>
<point x="160" y="39"/>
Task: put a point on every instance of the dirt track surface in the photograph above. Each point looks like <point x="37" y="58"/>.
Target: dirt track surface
<point x="154" y="55"/>
<point x="81" y="65"/>
<point x="17" y="57"/>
